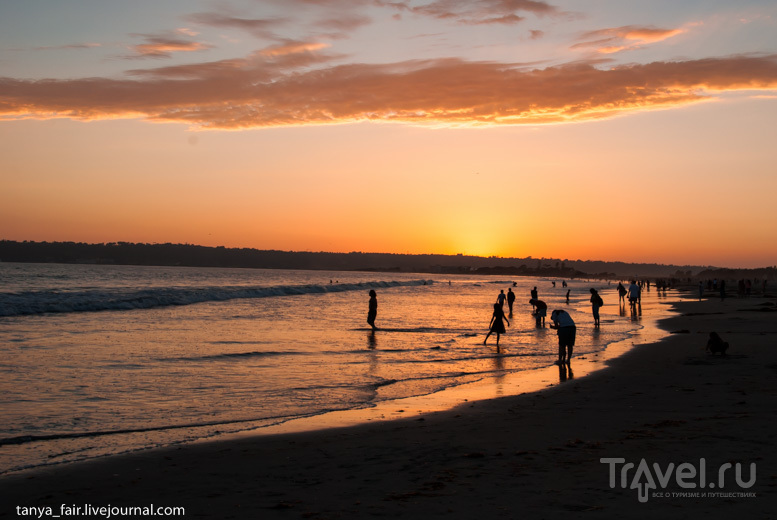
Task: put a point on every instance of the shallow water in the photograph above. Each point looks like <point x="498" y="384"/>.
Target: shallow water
<point x="99" y="360"/>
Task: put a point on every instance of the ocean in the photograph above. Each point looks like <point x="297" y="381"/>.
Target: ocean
<point x="98" y="360"/>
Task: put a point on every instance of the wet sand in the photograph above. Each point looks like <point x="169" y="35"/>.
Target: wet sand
<point x="535" y="455"/>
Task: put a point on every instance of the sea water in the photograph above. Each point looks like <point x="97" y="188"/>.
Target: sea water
<point x="97" y="360"/>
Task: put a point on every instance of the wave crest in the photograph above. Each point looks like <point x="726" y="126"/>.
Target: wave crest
<point x="43" y="302"/>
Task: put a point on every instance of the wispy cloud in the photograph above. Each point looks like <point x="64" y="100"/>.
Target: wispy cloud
<point x="258" y="92"/>
<point x="159" y="46"/>
<point x="257" y="27"/>
<point x="478" y="12"/>
<point x="616" y="39"/>
<point x="344" y="23"/>
<point x="293" y="47"/>
<point x="339" y="26"/>
<point x="187" y="31"/>
<point x="266" y="65"/>
<point x="65" y="47"/>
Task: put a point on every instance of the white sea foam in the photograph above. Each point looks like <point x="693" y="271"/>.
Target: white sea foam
<point x="41" y="302"/>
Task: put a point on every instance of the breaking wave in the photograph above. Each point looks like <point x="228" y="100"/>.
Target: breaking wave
<point x="42" y="302"/>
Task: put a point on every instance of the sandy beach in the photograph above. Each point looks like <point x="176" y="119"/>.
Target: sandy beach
<point x="536" y="455"/>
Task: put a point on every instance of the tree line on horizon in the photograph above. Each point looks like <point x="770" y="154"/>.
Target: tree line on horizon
<point x="188" y="255"/>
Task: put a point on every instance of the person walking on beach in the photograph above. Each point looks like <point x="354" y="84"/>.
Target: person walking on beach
<point x="596" y="303"/>
<point x="565" y="326"/>
<point x="496" y="324"/>
<point x="540" y="311"/>
<point x="510" y="300"/>
<point x="622" y="292"/>
<point x="501" y="298"/>
<point x="568" y="296"/>
<point x="634" y="293"/>
<point x="373" y="310"/>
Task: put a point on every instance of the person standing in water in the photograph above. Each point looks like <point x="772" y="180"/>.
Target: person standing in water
<point x="622" y="292"/>
<point x="540" y="311"/>
<point x="373" y="311"/>
<point x="596" y="303"/>
<point x="497" y="324"/>
<point x="635" y="294"/>
<point x="500" y="299"/>
<point x="565" y="326"/>
<point x="510" y="300"/>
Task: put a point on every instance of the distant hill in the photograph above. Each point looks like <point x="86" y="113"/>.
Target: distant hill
<point x="125" y="253"/>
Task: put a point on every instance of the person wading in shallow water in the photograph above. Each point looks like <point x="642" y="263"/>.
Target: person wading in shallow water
<point x="373" y="311"/>
<point x="497" y="325"/>
<point x="565" y="326"/>
<point x="596" y="303"/>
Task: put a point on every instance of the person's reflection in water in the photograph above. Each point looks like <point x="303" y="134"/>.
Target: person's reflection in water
<point x="373" y="365"/>
<point x="564" y="373"/>
<point x="499" y="374"/>
<point x="636" y="311"/>
<point x="595" y="335"/>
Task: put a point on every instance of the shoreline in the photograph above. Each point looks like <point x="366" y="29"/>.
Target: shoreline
<point x="489" y="387"/>
<point x="492" y="387"/>
<point x="537" y="453"/>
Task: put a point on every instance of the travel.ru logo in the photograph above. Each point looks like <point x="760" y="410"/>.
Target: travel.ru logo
<point x="687" y="476"/>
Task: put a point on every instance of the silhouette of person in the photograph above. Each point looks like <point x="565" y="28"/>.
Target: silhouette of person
<point x="496" y="324"/>
<point x="568" y="296"/>
<point x="501" y="298"/>
<point x="540" y="311"/>
<point x="565" y="326"/>
<point x="533" y="296"/>
<point x="510" y="300"/>
<point x="716" y="344"/>
<point x="373" y="310"/>
<point x="622" y="292"/>
<point x="596" y="303"/>
<point x="634" y="293"/>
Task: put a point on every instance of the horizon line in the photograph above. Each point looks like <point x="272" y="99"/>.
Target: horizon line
<point x="709" y="266"/>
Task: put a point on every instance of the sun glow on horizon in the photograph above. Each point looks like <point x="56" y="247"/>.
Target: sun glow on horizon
<point x="489" y="129"/>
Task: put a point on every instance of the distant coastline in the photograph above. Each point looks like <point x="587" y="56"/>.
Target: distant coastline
<point x="188" y="255"/>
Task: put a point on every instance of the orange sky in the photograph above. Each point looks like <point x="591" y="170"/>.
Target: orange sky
<point x="510" y="129"/>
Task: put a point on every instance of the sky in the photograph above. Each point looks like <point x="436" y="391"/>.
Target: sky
<point x="613" y="130"/>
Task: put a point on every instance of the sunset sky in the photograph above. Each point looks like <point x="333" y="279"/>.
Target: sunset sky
<point x="598" y="129"/>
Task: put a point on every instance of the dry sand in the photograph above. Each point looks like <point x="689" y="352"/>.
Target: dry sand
<point x="535" y="455"/>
